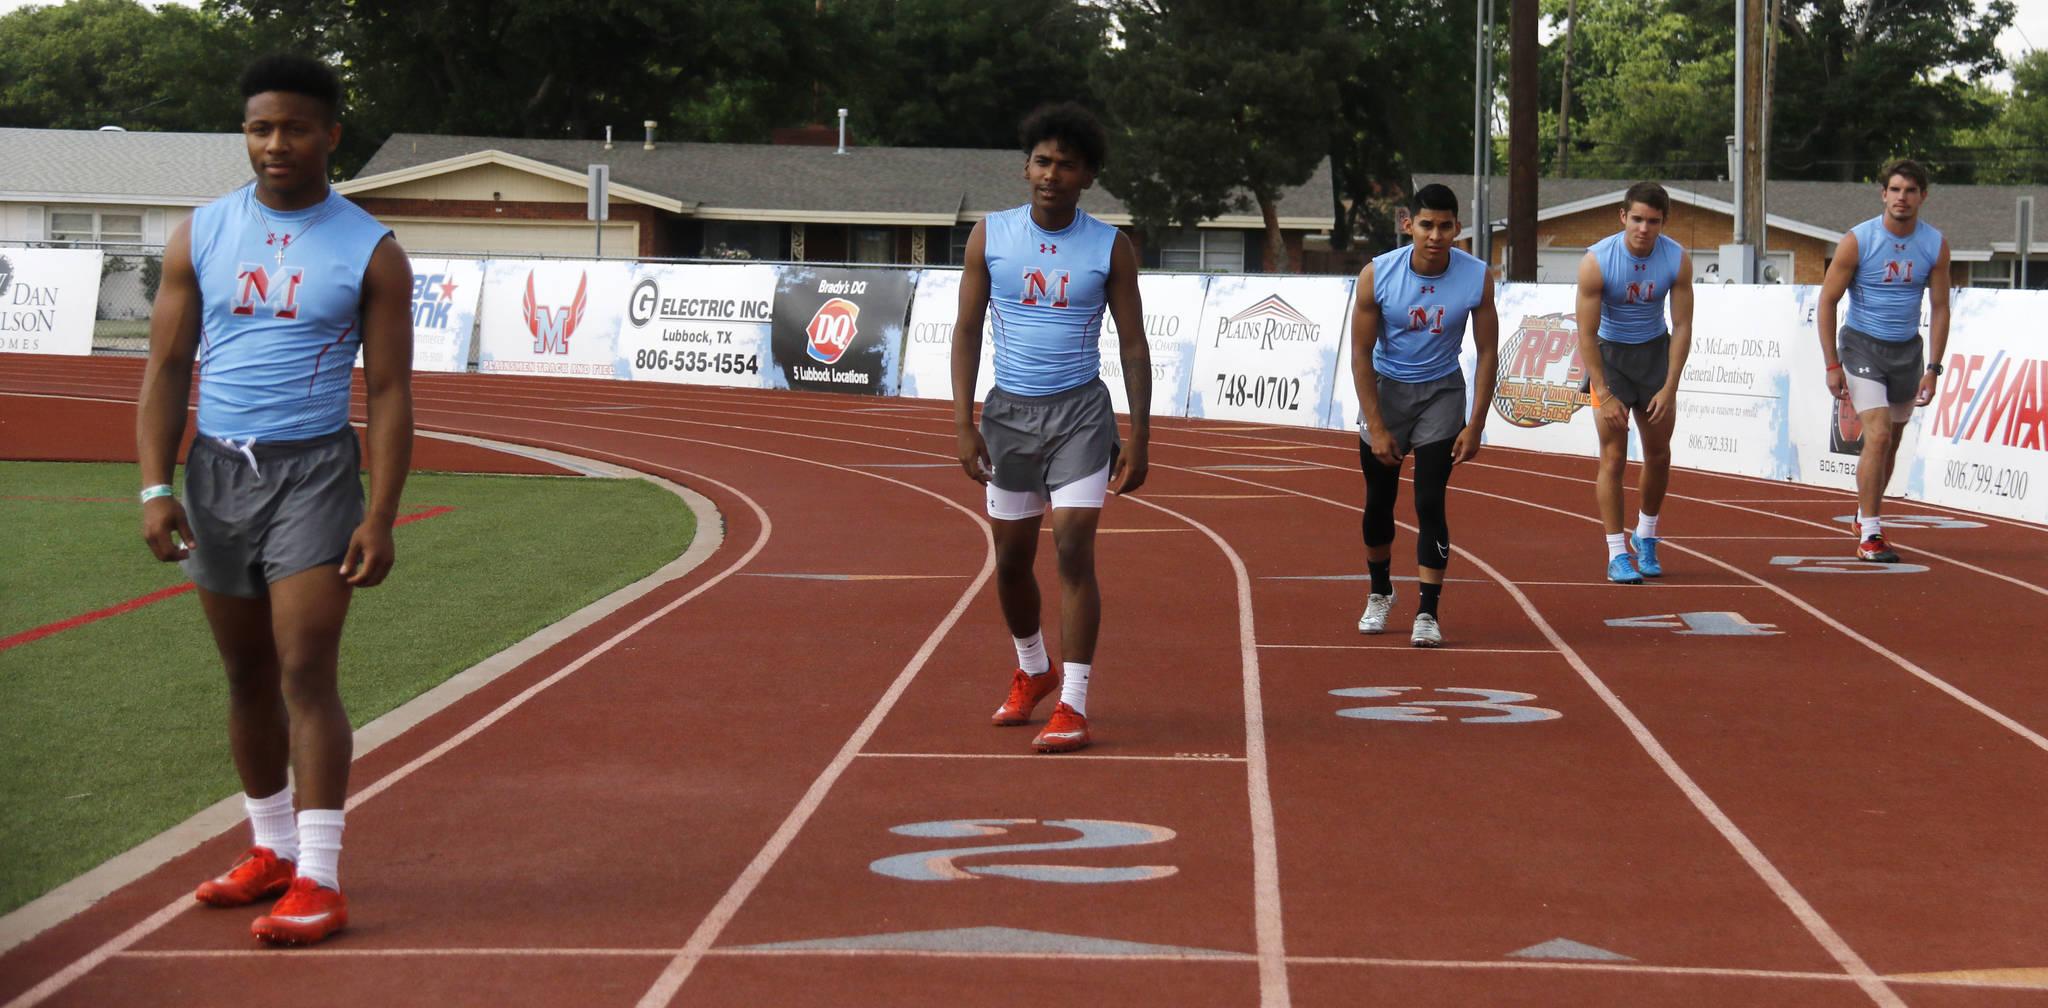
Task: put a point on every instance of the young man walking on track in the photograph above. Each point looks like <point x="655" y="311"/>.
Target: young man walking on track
<point x="1045" y="272"/>
<point x="1407" y="327"/>
<point x="1875" y="360"/>
<point x="1633" y="362"/>
<point x="273" y="288"/>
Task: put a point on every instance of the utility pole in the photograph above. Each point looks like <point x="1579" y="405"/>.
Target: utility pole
<point x="1482" y="131"/>
<point x="1564" y="101"/>
<point x="1740" y="260"/>
<point x="1522" y="54"/>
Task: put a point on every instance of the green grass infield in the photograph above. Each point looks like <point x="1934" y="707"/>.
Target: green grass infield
<point x="114" y="730"/>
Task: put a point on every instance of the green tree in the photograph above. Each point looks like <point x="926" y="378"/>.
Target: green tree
<point x="93" y="63"/>
<point x="962" y="73"/>
<point x="2013" y="148"/>
<point x="1219" y="108"/>
<point x="1404" y="104"/>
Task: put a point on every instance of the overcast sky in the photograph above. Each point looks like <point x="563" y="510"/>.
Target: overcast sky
<point x="2029" y="30"/>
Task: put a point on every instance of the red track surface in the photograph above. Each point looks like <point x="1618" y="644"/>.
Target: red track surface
<point x="1825" y="816"/>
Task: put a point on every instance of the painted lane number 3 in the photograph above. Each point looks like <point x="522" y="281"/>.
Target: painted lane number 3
<point x="939" y="866"/>
<point x="1489" y="707"/>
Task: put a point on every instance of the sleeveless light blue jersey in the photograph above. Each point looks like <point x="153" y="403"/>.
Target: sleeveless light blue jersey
<point x="1632" y="290"/>
<point x="1422" y="318"/>
<point x="278" y="338"/>
<point x="1884" y="299"/>
<point x="1047" y="292"/>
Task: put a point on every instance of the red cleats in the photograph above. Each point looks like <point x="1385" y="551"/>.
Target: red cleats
<point x="1876" y="550"/>
<point x="260" y="875"/>
<point x="1065" y="731"/>
<point x="308" y="912"/>
<point x="1025" y="693"/>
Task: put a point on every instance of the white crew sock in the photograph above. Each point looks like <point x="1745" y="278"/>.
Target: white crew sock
<point x="320" y="846"/>
<point x="1617" y="545"/>
<point x="271" y="820"/>
<point x="1646" y="526"/>
<point x="1031" y="654"/>
<point x="1870" y="526"/>
<point x="1074" y="686"/>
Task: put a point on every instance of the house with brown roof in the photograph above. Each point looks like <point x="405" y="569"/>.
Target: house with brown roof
<point x="903" y="205"/>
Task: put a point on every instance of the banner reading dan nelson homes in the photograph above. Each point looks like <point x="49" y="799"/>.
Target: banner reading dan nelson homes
<point x="1266" y="348"/>
<point x="698" y="325"/>
<point x="48" y="300"/>
<point x="552" y="318"/>
<point x="840" y="330"/>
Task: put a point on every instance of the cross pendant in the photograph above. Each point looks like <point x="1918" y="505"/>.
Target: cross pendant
<point x="280" y="250"/>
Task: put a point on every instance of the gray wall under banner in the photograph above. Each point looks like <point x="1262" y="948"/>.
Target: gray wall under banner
<point x="840" y="330"/>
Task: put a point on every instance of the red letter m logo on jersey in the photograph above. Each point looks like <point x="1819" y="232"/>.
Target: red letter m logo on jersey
<point x="278" y="292"/>
<point x="1430" y="318"/>
<point x="551" y="329"/>
<point x="1898" y="272"/>
<point x="1641" y="293"/>
<point x="1036" y="287"/>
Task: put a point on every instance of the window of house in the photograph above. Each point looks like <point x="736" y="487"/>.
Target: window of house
<point x="742" y="240"/>
<point x="1996" y="273"/>
<point x="956" y="251"/>
<point x="874" y="245"/>
<point x="116" y="226"/>
<point x="1194" y="250"/>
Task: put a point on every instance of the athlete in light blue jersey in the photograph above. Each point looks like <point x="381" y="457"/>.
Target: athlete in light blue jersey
<point x="1632" y="362"/>
<point x="1047" y="271"/>
<point x="1874" y="362"/>
<point x="272" y="289"/>
<point x="1408" y="320"/>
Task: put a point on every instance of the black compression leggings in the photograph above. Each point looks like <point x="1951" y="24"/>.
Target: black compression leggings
<point x="1383" y="487"/>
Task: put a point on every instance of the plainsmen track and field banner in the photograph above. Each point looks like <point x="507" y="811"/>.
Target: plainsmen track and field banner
<point x="48" y="300"/>
<point x="1265" y="349"/>
<point x="840" y="330"/>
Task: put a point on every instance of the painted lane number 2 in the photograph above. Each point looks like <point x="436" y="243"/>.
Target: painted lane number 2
<point x="1489" y="707"/>
<point x="939" y="866"/>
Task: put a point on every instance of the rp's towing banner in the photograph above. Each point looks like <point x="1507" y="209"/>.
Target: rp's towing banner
<point x="839" y="330"/>
<point x="1266" y="348"/>
<point x="49" y="299"/>
<point x="698" y="325"/>
<point x="558" y="317"/>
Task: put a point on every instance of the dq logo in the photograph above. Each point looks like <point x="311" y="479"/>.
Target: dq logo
<point x="832" y="329"/>
<point x="1540" y="373"/>
<point x="255" y="285"/>
<point x="551" y="329"/>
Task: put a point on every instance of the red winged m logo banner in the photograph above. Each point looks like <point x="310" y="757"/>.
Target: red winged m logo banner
<point x="551" y="328"/>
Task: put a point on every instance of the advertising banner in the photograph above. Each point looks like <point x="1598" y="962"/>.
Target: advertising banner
<point x="698" y="325"/>
<point x="1266" y="348"/>
<point x="928" y="344"/>
<point x="444" y="298"/>
<point x="840" y="330"/>
<point x="1983" y="442"/>
<point x="552" y="317"/>
<point x="48" y="300"/>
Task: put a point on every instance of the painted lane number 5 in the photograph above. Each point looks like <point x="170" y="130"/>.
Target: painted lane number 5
<point x="938" y="865"/>
<point x="1491" y="707"/>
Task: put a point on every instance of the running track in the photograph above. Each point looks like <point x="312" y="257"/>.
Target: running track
<point x="1845" y="811"/>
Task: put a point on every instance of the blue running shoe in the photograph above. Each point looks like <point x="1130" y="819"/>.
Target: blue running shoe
<point x="1622" y="570"/>
<point x="1646" y="555"/>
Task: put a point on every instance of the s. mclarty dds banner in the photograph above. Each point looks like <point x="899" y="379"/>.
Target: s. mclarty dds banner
<point x="48" y="300"/>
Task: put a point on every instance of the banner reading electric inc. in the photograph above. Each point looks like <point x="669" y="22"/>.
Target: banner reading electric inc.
<point x="839" y="330"/>
<point x="1172" y="305"/>
<point x="1266" y="348"/>
<point x="1984" y="441"/>
<point x="698" y="325"/>
<point x="552" y="317"/>
<point x="444" y="299"/>
<point x="48" y="300"/>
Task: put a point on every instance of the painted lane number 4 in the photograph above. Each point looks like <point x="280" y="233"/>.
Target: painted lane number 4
<point x="939" y="866"/>
<point x="1489" y="707"/>
<point x="1699" y="624"/>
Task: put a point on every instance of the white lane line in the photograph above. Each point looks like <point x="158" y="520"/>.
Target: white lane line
<point x="1064" y="759"/>
<point x="1266" y="917"/>
<point x="1411" y="647"/>
<point x="1822" y="932"/>
<point x="79" y="967"/>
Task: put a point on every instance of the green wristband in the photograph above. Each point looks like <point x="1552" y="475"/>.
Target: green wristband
<point x="150" y="493"/>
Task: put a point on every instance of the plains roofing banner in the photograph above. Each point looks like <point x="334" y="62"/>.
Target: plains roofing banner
<point x="1266" y="348"/>
<point x="840" y="330"/>
<point x="699" y="325"/>
<point x="552" y="317"/>
<point x="49" y="299"/>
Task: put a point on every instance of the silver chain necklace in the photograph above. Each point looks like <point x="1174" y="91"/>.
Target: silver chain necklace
<point x="283" y="241"/>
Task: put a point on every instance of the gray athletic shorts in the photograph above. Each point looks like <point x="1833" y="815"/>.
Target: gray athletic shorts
<point x="1881" y="373"/>
<point x="271" y="511"/>
<point x="1037" y="444"/>
<point x="1635" y="371"/>
<point x="1420" y="413"/>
